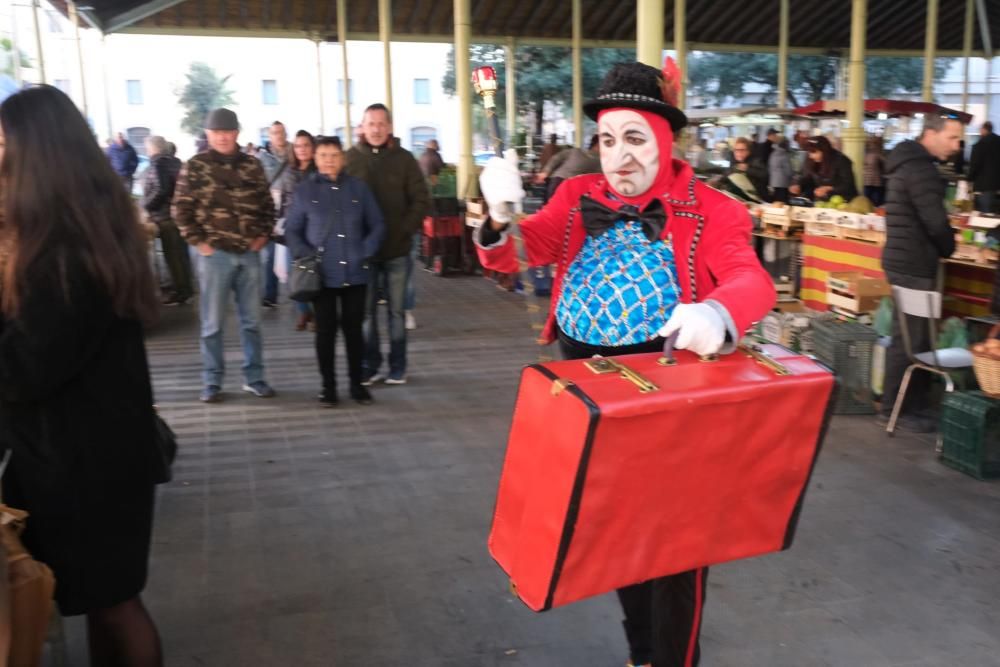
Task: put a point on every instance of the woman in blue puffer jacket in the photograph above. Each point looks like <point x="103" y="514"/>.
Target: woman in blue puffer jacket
<point x="337" y="214"/>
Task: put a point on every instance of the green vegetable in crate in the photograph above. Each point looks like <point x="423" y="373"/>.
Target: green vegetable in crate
<point x="860" y="204"/>
<point x="836" y="200"/>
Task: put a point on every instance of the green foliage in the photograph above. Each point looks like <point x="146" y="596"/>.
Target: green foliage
<point x="718" y="76"/>
<point x="204" y="91"/>
<point x="7" y="47"/>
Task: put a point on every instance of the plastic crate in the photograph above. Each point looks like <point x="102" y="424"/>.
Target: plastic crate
<point x="970" y="433"/>
<point x="847" y="348"/>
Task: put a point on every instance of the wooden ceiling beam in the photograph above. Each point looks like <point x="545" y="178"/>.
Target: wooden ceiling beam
<point x="626" y="9"/>
<point x="411" y="21"/>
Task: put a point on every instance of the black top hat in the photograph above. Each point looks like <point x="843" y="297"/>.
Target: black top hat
<point x="634" y="86"/>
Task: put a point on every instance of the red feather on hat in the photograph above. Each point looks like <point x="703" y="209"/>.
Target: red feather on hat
<point x="670" y="84"/>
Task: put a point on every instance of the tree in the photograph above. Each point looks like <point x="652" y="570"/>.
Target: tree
<point x="204" y="91"/>
<point x="719" y="76"/>
<point x="7" y="47"/>
<point x="544" y="74"/>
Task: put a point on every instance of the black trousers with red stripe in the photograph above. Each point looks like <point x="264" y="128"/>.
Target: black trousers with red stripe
<point x="662" y="616"/>
<point x="663" y="619"/>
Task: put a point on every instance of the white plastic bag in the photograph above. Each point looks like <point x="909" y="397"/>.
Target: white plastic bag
<point x="281" y="262"/>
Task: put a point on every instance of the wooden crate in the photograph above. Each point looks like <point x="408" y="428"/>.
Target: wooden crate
<point x="867" y="235"/>
<point x="853" y="293"/>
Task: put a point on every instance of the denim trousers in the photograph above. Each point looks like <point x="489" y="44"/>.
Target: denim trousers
<point x="391" y="274"/>
<point x="410" y="299"/>
<point x="270" y="278"/>
<point x="219" y="274"/>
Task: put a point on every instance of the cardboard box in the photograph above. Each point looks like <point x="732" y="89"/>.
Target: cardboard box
<point x="476" y="212"/>
<point x="853" y="292"/>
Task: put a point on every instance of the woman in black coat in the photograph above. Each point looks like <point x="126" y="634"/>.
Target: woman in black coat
<point x="76" y="406"/>
<point x="826" y="172"/>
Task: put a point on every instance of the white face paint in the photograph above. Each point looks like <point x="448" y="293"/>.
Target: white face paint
<point x="630" y="157"/>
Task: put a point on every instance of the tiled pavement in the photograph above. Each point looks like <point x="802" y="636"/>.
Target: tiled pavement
<point x="296" y="535"/>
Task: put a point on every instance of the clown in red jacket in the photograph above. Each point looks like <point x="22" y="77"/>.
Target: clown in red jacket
<point x="642" y="250"/>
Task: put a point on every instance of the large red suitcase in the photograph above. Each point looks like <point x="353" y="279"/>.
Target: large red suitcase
<point x="624" y="469"/>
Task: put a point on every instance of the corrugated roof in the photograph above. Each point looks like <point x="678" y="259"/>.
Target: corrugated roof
<point x="815" y="24"/>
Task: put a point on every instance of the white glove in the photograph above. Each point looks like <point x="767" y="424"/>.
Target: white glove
<point x="501" y="184"/>
<point x="701" y="327"/>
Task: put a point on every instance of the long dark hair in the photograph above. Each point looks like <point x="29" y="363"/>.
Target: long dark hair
<point x="61" y="195"/>
<point x="296" y="162"/>
<point x="826" y="163"/>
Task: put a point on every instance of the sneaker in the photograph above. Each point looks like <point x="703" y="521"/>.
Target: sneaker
<point x="396" y="379"/>
<point x="328" y="398"/>
<point x="303" y="321"/>
<point x="372" y="379"/>
<point x="361" y="395"/>
<point x="411" y="321"/>
<point x="260" y="389"/>
<point x="212" y="393"/>
<point x="267" y="303"/>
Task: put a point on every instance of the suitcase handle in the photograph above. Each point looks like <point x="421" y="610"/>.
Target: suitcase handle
<point x="668" y="352"/>
<point x="604" y="365"/>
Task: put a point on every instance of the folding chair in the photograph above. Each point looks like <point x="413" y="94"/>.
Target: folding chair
<point x="925" y="304"/>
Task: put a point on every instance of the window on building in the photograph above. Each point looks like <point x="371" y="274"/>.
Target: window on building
<point x="133" y="89"/>
<point x="340" y="91"/>
<point x="262" y="136"/>
<point x="54" y="20"/>
<point x="269" y="91"/>
<point x="63" y="85"/>
<point x="421" y="91"/>
<point x="339" y="132"/>
<point x="137" y="137"/>
<point x="419" y="136"/>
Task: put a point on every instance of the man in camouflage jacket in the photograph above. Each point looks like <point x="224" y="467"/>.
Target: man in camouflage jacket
<point x="222" y="206"/>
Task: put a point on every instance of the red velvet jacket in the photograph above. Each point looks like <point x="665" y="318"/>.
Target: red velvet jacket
<point x="711" y="234"/>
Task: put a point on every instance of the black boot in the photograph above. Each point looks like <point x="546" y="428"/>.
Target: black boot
<point x="361" y="394"/>
<point x="328" y="397"/>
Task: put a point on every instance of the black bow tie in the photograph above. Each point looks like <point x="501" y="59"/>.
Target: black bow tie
<point x="598" y="218"/>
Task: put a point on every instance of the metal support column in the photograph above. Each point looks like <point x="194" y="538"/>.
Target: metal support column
<point x="319" y="87"/>
<point x="930" y="50"/>
<point x="783" y="25"/>
<point x="649" y="32"/>
<point x="348" y="137"/>
<point x="680" y="47"/>
<point x="510" y="62"/>
<point x="107" y="91"/>
<point x="75" y="18"/>
<point x="577" y="74"/>
<point x="970" y="17"/>
<point x="38" y="42"/>
<point x="467" y="184"/>
<point x="385" y="35"/>
<point x="854" y="135"/>
<point x="14" y="45"/>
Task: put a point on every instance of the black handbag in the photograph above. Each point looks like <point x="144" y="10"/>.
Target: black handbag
<point x="305" y="280"/>
<point x="165" y="442"/>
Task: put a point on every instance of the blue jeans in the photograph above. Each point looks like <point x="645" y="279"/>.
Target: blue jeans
<point x="219" y="274"/>
<point x="392" y="274"/>
<point x="410" y="300"/>
<point x="270" y="279"/>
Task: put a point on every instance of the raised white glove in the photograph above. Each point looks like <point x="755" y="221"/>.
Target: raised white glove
<point x="701" y="327"/>
<point x="501" y="184"/>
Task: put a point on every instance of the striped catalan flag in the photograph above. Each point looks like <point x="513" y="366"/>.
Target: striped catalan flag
<point x="822" y="255"/>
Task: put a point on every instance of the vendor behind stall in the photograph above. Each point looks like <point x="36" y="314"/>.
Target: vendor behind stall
<point x="827" y="172"/>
